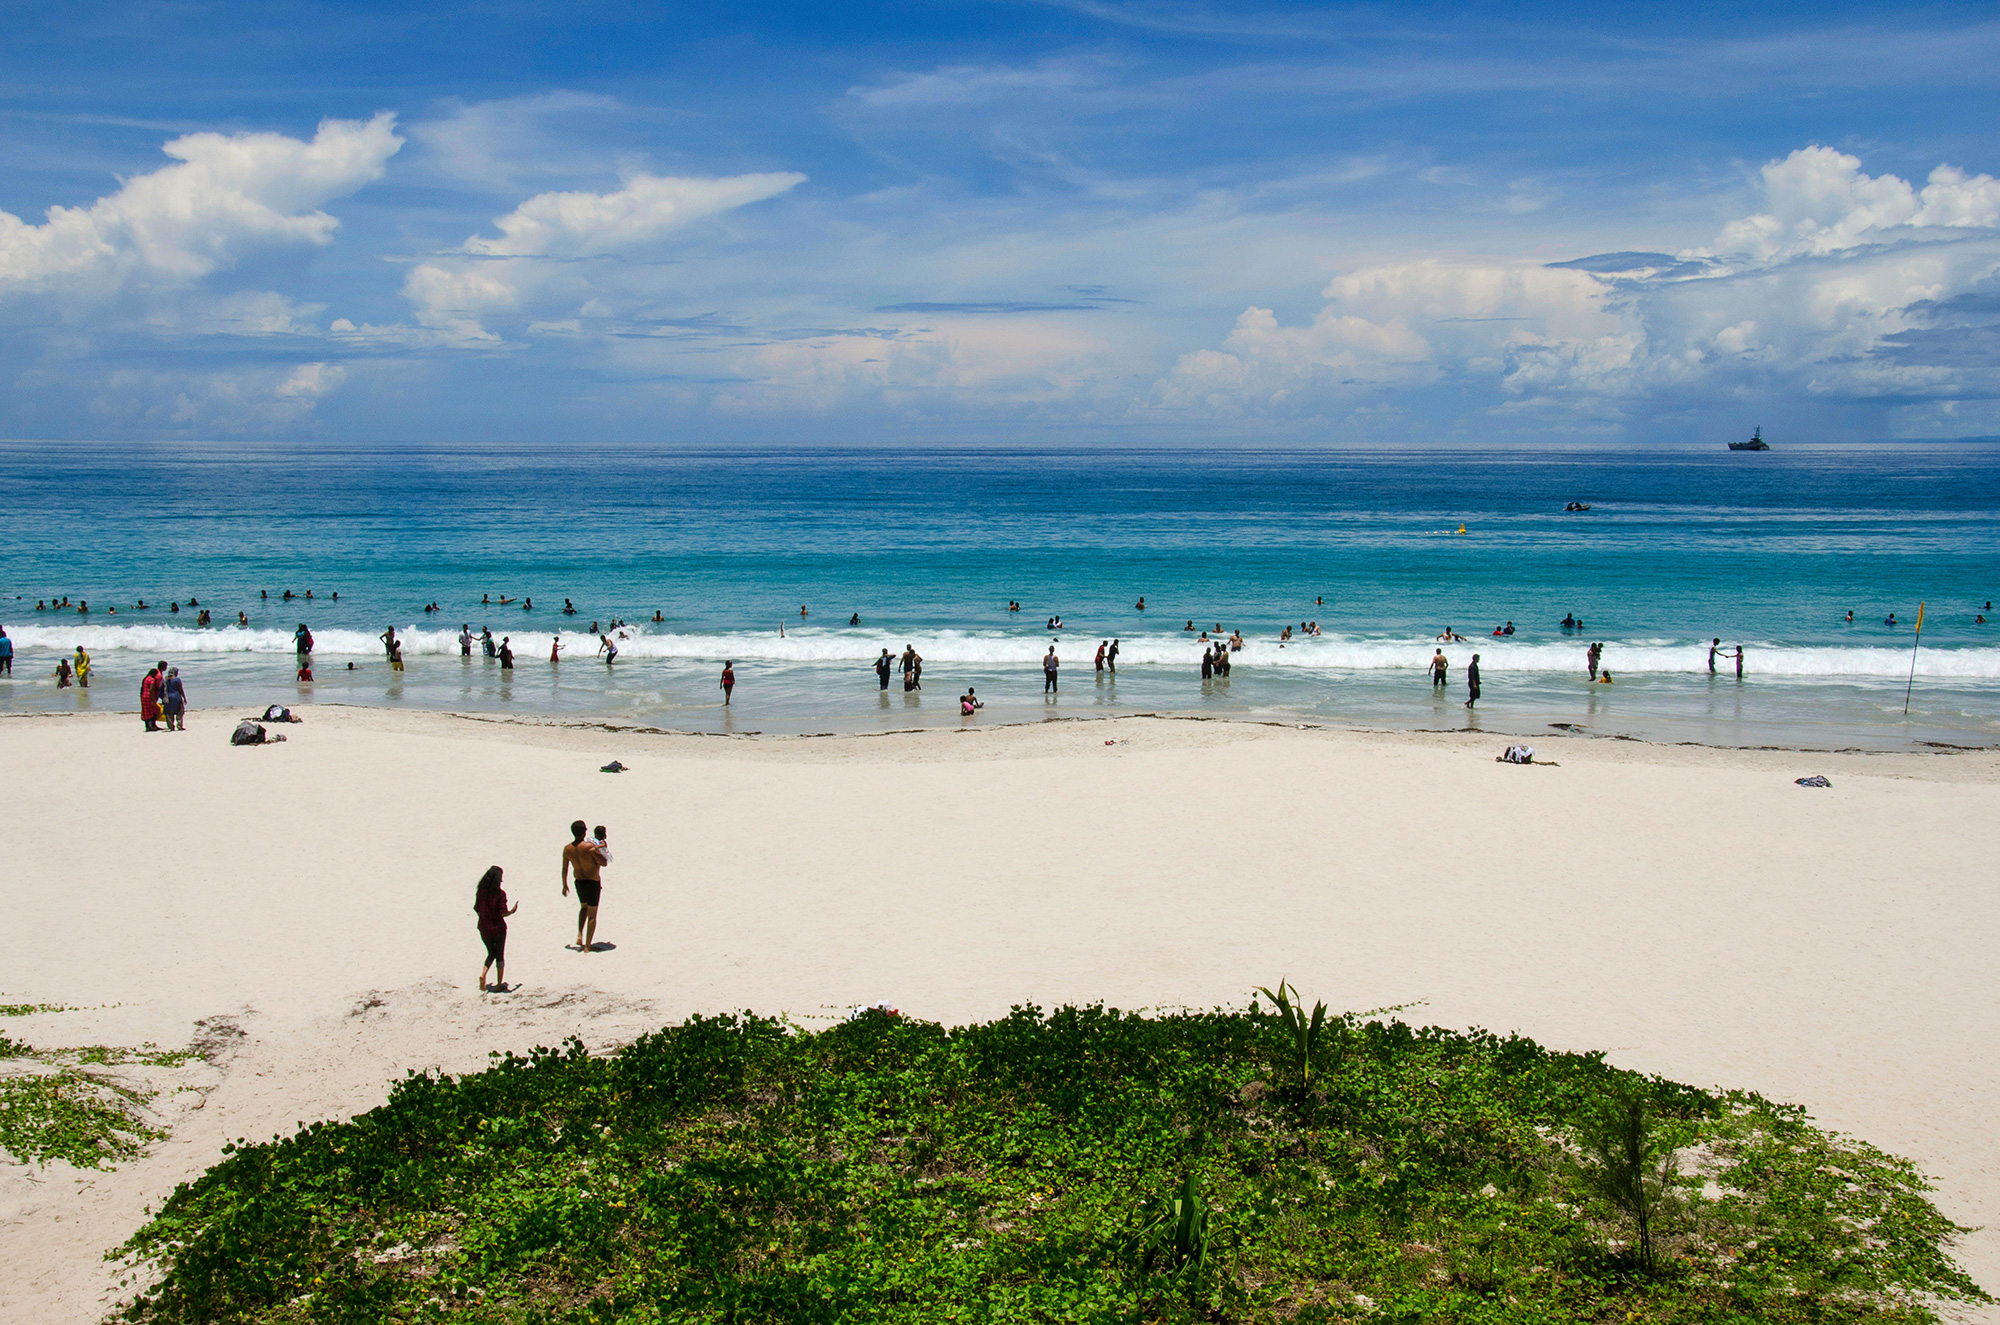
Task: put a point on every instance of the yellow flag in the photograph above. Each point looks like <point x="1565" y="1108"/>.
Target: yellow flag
<point x="1920" y="618"/>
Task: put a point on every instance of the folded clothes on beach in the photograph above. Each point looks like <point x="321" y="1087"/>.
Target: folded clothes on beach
<point x="613" y="767"/>
<point x="1517" y="754"/>
<point x="1816" y="780"/>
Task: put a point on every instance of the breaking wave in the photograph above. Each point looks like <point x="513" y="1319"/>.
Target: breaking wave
<point x="996" y="649"/>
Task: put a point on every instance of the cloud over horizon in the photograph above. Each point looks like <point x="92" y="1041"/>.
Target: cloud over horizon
<point x="1814" y="296"/>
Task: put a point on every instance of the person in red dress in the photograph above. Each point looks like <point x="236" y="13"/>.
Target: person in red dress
<point x="149" y="700"/>
<point x="490" y="905"/>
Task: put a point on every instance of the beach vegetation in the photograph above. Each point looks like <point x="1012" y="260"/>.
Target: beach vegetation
<point x="1172" y="1238"/>
<point x="1304" y="1040"/>
<point x="73" y="1105"/>
<point x="1629" y="1165"/>
<point x="87" y="1119"/>
<point x="1081" y="1164"/>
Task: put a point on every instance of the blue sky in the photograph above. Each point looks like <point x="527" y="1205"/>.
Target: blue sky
<point x="998" y="222"/>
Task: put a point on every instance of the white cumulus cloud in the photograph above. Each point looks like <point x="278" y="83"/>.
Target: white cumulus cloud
<point x="1820" y="201"/>
<point x="1841" y="286"/>
<point x="228" y="194"/>
<point x="1390" y="326"/>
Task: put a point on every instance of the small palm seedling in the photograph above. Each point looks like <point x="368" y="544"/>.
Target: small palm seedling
<point x="1630" y="1166"/>
<point x="1172" y="1240"/>
<point x="1303" y="1037"/>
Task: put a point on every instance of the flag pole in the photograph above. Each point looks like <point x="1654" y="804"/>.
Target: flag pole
<point x="1913" y="660"/>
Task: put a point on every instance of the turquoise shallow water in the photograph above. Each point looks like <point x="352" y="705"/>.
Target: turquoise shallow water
<point x="1680" y="545"/>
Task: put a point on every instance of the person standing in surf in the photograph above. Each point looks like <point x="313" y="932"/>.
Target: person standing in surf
<point x="728" y="681"/>
<point x="1440" y="666"/>
<point x="1049" y="665"/>
<point x="1472" y="681"/>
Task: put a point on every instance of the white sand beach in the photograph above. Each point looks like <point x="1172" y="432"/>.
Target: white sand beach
<point x="304" y="909"/>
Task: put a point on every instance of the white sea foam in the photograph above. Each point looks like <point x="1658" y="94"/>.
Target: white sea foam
<point x="844" y="648"/>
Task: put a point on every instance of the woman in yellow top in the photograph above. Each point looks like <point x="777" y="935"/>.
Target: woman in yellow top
<point x="82" y="667"/>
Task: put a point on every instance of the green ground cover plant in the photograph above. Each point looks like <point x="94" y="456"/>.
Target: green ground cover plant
<point x="62" y="1104"/>
<point x="1076" y="1165"/>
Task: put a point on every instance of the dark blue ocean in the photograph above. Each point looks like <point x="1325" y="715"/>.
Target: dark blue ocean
<point x="1680" y="546"/>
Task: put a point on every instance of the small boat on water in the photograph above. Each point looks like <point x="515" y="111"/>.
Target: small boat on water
<point x="1756" y="442"/>
<point x="1577" y="506"/>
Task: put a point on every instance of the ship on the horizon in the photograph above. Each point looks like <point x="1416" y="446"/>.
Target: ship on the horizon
<point x="1756" y="442"/>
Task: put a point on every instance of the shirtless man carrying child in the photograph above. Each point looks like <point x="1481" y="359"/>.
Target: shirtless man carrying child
<point x="585" y="858"/>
